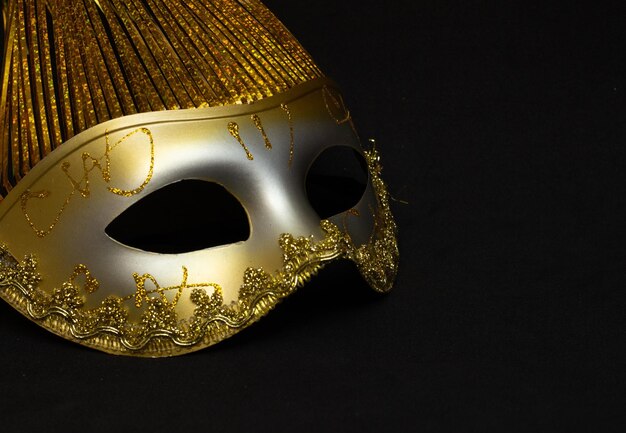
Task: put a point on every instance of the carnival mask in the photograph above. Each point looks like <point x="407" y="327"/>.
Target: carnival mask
<point x="172" y="171"/>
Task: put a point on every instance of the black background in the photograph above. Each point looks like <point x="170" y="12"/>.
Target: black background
<point x="503" y="127"/>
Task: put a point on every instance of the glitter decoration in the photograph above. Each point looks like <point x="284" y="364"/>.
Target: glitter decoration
<point x="335" y="106"/>
<point x="81" y="186"/>
<point x="233" y="129"/>
<point x="292" y="145"/>
<point x="259" y="125"/>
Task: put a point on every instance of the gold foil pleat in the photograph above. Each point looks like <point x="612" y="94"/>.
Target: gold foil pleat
<point x="70" y="65"/>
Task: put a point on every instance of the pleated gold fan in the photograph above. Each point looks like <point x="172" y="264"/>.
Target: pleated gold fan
<point x="70" y="65"/>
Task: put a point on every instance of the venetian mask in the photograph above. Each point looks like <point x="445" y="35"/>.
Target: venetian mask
<point x="172" y="170"/>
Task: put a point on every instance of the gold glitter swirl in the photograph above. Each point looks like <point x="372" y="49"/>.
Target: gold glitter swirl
<point x="233" y="129"/>
<point x="106" y="173"/>
<point x="160" y="331"/>
<point x="335" y="106"/>
<point x="91" y="284"/>
<point x="292" y="145"/>
<point x="141" y="294"/>
<point x="257" y="122"/>
<point x="82" y="185"/>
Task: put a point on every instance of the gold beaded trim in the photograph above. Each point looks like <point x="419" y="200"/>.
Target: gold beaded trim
<point x="159" y="331"/>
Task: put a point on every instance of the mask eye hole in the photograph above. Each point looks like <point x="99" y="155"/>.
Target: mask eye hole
<point x="336" y="181"/>
<point x="185" y="216"/>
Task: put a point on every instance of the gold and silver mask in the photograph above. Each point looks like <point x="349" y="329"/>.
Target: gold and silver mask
<point x="121" y="120"/>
